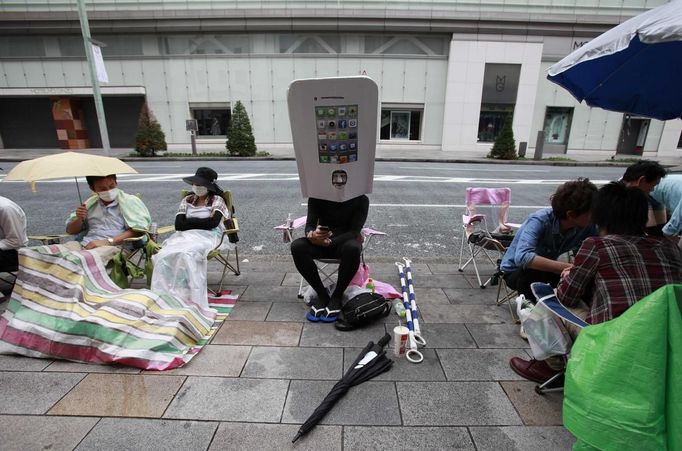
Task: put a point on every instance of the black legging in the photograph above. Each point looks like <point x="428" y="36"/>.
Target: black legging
<point x="304" y="252"/>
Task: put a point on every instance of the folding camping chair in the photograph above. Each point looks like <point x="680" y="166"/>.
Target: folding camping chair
<point x="545" y="295"/>
<point x="222" y="256"/>
<point x="477" y="238"/>
<point x="327" y="267"/>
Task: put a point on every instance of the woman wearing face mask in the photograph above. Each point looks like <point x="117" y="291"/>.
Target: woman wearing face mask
<point x="180" y="266"/>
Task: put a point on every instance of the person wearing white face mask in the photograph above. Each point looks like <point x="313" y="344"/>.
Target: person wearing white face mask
<point x="107" y="218"/>
<point x="180" y="266"/>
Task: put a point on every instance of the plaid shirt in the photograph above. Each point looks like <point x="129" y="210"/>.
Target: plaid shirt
<point x="612" y="272"/>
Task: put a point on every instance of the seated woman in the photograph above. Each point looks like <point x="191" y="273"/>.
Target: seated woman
<point x="180" y="266"/>
<point x="547" y="234"/>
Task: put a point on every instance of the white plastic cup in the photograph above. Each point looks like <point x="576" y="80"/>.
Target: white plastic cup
<point x="400" y="334"/>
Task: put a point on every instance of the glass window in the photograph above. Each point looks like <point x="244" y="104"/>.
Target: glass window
<point x="207" y="44"/>
<point x="491" y="120"/>
<point x="500" y="86"/>
<point x="679" y="142"/>
<point x="21" y="46"/>
<point x="557" y="125"/>
<point x="406" y="45"/>
<point x="212" y="121"/>
<point x="400" y="124"/>
<point x="292" y="43"/>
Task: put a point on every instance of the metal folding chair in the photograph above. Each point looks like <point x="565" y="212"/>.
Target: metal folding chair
<point x="480" y="241"/>
<point x="545" y="295"/>
<point x="327" y="267"/>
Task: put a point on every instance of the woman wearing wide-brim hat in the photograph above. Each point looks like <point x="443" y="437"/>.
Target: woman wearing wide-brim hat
<point x="180" y="266"/>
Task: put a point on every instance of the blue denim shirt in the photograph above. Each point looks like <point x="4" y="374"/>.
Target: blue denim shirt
<point x="539" y="235"/>
<point x="669" y="193"/>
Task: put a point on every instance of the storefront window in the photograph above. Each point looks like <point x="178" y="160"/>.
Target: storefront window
<point x="211" y="121"/>
<point x="400" y="124"/>
<point x="491" y="120"/>
<point x="500" y="87"/>
<point x="557" y="125"/>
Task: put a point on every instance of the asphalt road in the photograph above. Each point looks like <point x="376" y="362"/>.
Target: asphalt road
<point x="419" y="205"/>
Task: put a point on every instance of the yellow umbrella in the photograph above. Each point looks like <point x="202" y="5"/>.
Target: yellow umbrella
<point x="67" y="164"/>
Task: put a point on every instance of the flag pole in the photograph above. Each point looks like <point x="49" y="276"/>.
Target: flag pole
<point x="99" y="106"/>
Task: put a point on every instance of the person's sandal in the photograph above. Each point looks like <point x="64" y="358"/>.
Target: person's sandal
<point x="314" y="315"/>
<point x="330" y="315"/>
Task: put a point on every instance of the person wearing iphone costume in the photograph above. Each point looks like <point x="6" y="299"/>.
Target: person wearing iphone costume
<point x="333" y="124"/>
<point x="106" y="219"/>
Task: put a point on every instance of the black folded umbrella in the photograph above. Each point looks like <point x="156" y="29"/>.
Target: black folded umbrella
<point x="371" y="362"/>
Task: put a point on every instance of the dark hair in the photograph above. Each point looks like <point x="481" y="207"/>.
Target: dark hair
<point x="91" y="179"/>
<point x="648" y="169"/>
<point x="620" y="210"/>
<point x="575" y="196"/>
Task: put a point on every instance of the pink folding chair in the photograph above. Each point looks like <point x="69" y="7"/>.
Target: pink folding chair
<point x="327" y="267"/>
<point x="485" y="230"/>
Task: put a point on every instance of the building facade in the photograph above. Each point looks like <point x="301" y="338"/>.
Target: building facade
<point x="449" y="73"/>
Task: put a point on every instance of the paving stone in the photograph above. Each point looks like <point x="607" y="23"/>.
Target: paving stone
<point x="258" y="333"/>
<point x="22" y="363"/>
<point x="391" y="268"/>
<point x="479" y="364"/>
<point x="437" y="313"/>
<point x="429" y="295"/>
<point x="443" y="281"/>
<point x="43" y="432"/>
<point x="119" y="395"/>
<point x="272" y="278"/>
<point x="213" y="360"/>
<point x="402" y="369"/>
<point x="270" y="294"/>
<point x="227" y="399"/>
<point x="406" y="438"/>
<point x="471" y="296"/>
<point x="446" y="268"/>
<point x="259" y="266"/>
<point x="535" y="410"/>
<point x="455" y="404"/>
<point x="33" y="393"/>
<point x="291" y="279"/>
<point x="497" y="335"/>
<point x="446" y="336"/>
<point x="522" y="438"/>
<point x="370" y="403"/>
<point x="288" y="311"/>
<point x="274" y="437"/>
<point x="326" y="335"/>
<point x="294" y="363"/>
<point x="137" y="434"/>
<point x="252" y="311"/>
<point x="75" y="367"/>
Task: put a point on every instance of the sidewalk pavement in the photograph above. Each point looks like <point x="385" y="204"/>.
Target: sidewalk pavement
<point x="673" y="163"/>
<point x="267" y="369"/>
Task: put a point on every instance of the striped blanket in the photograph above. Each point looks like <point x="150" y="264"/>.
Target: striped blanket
<point x="64" y="305"/>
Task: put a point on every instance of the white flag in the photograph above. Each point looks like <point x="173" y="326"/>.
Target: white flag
<point x="99" y="64"/>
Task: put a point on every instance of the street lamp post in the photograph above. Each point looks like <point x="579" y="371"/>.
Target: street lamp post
<point x="99" y="106"/>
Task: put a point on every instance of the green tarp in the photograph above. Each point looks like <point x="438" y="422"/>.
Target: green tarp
<point x="623" y="388"/>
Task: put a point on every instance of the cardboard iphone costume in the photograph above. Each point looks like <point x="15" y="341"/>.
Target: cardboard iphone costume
<point x="334" y="129"/>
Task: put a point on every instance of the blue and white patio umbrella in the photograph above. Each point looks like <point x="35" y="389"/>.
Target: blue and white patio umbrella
<point x="636" y="67"/>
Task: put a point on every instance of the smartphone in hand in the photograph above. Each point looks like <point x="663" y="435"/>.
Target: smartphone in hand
<point x="323" y="228"/>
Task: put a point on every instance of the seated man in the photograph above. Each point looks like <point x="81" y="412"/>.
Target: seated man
<point x="669" y="193"/>
<point x="332" y="230"/>
<point x="107" y="219"/>
<point x="612" y="271"/>
<point x="645" y="175"/>
<point x="12" y="234"/>
<point x="547" y="234"/>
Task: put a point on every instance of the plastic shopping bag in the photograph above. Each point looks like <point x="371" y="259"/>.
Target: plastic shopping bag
<point x="361" y="276"/>
<point x="545" y="336"/>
